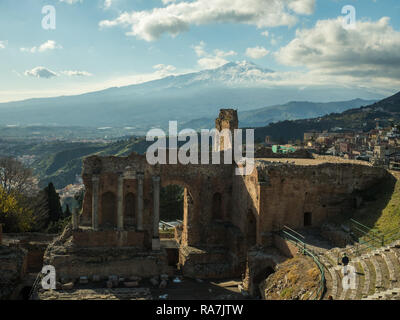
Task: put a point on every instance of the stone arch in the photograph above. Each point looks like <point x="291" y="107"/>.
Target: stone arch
<point x="217" y="213"/>
<point x="251" y="228"/>
<point x="108" y="210"/>
<point x="130" y="209"/>
<point x="189" y="205"/>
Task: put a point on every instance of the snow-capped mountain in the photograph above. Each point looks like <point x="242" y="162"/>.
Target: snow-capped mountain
<point x="183" y="97"/>
<point x="234" y="73"/>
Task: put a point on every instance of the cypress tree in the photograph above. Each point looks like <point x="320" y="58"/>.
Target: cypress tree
<point x="55" y="210"/>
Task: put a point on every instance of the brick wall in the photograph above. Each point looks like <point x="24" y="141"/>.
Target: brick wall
<point x="109" y="238"/>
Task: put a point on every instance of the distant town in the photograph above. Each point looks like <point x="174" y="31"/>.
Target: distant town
<point x="380" y="146"/>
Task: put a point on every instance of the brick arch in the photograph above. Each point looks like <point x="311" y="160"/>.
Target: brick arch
<point x="186" y="184"/>
<point x="108" y="216"/>
<point x="190" y="205"/>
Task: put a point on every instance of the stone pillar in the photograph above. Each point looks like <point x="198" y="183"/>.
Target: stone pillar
<point x="156" y="213"/>
<point x="140" y="178"/>
<point x="120" y="203"/>
<point x="75" y="219"/>
<point x="95" y="202"/>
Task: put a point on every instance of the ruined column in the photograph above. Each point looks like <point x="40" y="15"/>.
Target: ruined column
<point x="75" y="219"/>
<point x="140" y="178"/>
<point x="95" y="202"/>
<point x="120" y="203"/>
<point x="156" y="213"/>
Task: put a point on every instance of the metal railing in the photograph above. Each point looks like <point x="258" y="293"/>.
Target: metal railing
<point x="287" y="235"/>
<point x="35" y="285"/>
<point x="376" y="238"/>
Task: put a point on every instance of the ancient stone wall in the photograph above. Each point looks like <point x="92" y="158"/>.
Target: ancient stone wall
<point x="207" y="198"/>
<point x="110" y="238"/>
<point x="225" y="215"/>
<point x="268" y="153"/>
<point x="13" y="267"/>
<point x="289" y="193"/>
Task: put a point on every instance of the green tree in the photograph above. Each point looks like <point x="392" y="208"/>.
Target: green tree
<point x="54" y="205"/>
<point x="15" y="215"/>
<point x="171" y="202"/>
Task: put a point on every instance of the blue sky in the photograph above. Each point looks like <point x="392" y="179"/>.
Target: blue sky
<point x="90" y="49"/>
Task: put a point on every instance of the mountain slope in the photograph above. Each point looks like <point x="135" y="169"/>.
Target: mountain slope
<point x="183" y="98"/>
<point x="290" y="111"/>
<point x="364" y="119"/>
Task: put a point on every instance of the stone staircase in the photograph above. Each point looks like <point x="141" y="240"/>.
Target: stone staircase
<point x="377" y="273"/>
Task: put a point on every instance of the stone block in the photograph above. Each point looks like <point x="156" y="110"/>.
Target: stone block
<point x="131" y="284"/>
<point x="67" y="286"/>
<point x="155" y="244"/>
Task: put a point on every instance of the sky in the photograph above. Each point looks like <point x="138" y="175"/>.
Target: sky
<point x="97" y="44"/>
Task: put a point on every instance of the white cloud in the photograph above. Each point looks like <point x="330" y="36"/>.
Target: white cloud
<point x="108" y="3"/>
<point x="302" y="6"/>
<point x="371" y="49"/>
<point x="177" y="17"/>
<point x="265" y="34"/>
<point x="257" y="52"/>
<point x="72" y="73"/>
<point x="47" y="46"/>
<point x="164" y="67"/>
<point x="40" y="72"/>
<point x="163" y="70"/>
<point x="211" y="60"/>
<point x="3" y="44"/>
<point x="199" y="49"/>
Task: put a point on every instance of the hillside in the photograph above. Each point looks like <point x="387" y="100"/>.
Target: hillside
<point x="290" y="111"/>
<point x="61" y="162"/>
<point x="363" y="118"/>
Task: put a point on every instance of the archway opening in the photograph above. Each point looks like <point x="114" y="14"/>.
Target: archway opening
<point x="251" y="231"/>
<point x="171" y="220"/>
<point x="171" y="203"/>
<point x="259" y="278"/>
<point x="108" y="210"/>
<point x="130" y="210"/>
<point x="217" y="206"/>
<point x="307" y="219"/>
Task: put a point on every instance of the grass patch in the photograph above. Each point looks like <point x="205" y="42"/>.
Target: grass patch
<point x="286" y="293"/>
<point x="383" y="214"/>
